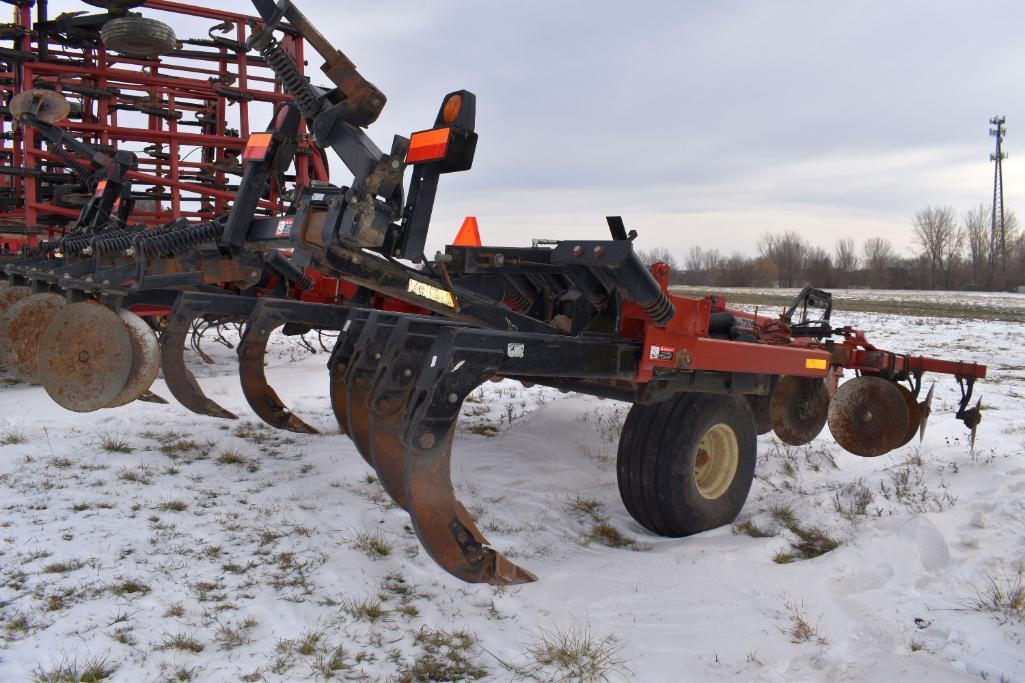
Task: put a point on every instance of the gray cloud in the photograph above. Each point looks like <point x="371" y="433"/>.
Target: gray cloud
<point x="699" y="122"/>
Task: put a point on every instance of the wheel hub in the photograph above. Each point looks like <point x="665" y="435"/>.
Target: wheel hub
<point x="715" y="464"/>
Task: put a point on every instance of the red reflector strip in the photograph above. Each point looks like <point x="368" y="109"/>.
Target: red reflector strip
<point x="256" y="148"/>
<point x="100" y="187"/>
<point x="428" y="145"/>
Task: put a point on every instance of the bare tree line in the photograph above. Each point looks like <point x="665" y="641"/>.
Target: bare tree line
<point x="953" y="252"/>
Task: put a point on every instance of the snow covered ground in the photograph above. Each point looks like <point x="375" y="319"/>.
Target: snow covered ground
<point x="151" y="543"/>
<point x="1008" y="300"/>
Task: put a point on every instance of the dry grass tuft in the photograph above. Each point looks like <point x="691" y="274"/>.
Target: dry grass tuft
<point x="749" y="528"/>
<point x="608" y="535"/>
<point x="798" y="628"/>
<point x="372" y="543"/>
<point x="444" y="656"/>
<point x="112" y="442"/>
<point x="573" y="654"/>
<point x="180" y="641"/>
<point x="89" y="670"/>
<point x="12" y="437"/>
<point x="231" y="457"/>
<point x="811" y="541"/>
<point x="1002" y="596"/>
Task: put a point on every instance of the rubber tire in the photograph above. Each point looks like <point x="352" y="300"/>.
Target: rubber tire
<point x="140" y="37"/>
<point x="655" y="462"/>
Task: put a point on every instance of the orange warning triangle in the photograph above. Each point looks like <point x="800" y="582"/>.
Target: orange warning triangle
<point x="468" y="235"/>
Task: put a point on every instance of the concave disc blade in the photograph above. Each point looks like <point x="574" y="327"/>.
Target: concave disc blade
<point x="914" y="414"/>
<point x="21" y="325"/>
<point x="47" y="105"/>
<point x="10" y="295"/>
<point x="798" y="409"/>
<point x="85" y="357"/>
<point x="868" y="416"/>
<point x="145" y="359"/>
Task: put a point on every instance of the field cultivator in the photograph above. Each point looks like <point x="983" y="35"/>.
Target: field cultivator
<point x="587" y="316"/>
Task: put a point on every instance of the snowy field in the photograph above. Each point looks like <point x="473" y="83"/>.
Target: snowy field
<point x="149" y="543"/>
<point x="1004" y="306"/>
<point x="1007" y="299"/>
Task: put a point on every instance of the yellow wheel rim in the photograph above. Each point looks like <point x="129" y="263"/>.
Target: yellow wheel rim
<point x="715" y="464"/>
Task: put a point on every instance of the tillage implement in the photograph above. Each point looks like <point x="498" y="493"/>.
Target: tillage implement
<point x="418" y="334"/>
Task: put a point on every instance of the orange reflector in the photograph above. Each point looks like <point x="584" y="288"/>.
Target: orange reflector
<point x="256" y="148"/>
<point x="450" y="111"/>
<point x="100" y="187"/>
<point x="815" y="363"/>
<point x="468" y="235"/>
<point x="428" y="145"/>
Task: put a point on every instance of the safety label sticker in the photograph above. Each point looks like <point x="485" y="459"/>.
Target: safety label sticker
<point x="656" y="352"/>
<point x="284" y="226"/>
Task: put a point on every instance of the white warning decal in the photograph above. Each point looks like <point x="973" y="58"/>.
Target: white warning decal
<point x="656" y="352"/>
<point x="284" y="228"/>
<point x="514" y="350"/>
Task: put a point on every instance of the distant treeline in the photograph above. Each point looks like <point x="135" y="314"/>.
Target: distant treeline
<point x="951" y="253"/>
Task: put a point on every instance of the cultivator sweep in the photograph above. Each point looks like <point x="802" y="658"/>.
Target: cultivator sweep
<point x="703" y="379"/>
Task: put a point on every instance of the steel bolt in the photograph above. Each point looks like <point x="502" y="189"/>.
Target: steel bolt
<point x="578" y="250"/>
<point x="452" y="398"/>
<point x="599" y="251"/>
<point x="394" y="163"/>
<point x="377" y="356"/>
<point x="130" y="252"/>
<point x="426" y="440"/>
<point x="407" y="373"/>
<point x="87" y="251"/>
<point x="83" y="356"/>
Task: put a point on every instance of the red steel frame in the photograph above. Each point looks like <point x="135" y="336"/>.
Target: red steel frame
<point x="684" y="343"/>
<point x="182" y="82"/>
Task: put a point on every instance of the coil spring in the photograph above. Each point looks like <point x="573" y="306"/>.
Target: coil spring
<point x="661" y="310"/>
<point x="520" y="302"/>
<point x="720" y="322"/>
<point x="292" y="80"/>
<point x="176" y="241"/>
<point x="72" y="163"/>
<point x="115" y="241"/>
<point x="74" y="244"/>
<point x="305" y="283"/>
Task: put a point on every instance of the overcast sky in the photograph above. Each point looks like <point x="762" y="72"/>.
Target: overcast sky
<point x="699" y="122"/>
